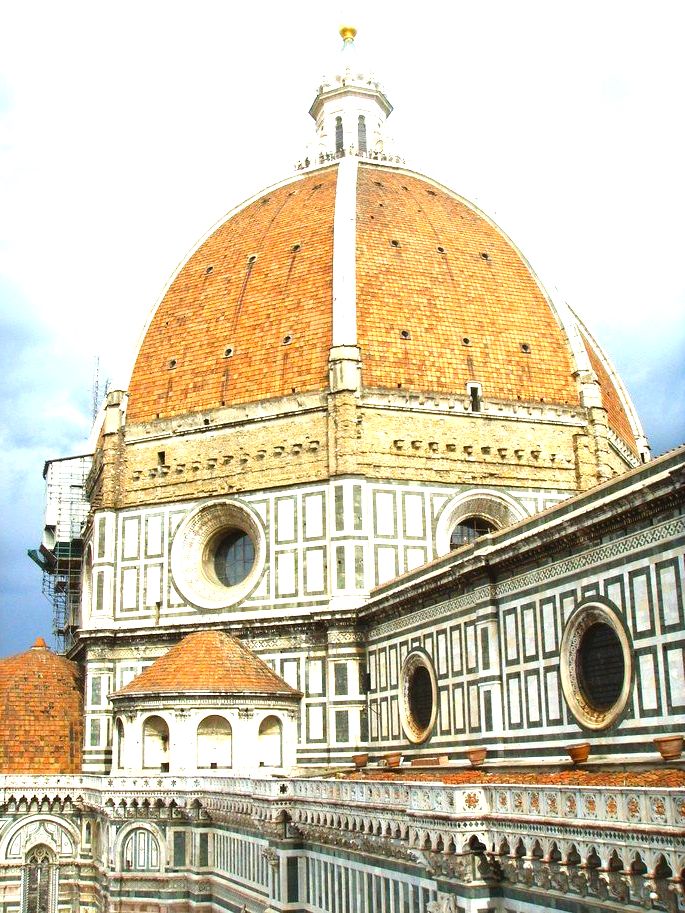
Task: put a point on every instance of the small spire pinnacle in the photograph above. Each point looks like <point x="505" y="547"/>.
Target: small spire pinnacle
<point x="348" y="33"/>
<point x="350" y="110"/>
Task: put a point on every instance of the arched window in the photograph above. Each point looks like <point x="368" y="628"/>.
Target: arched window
<point x="140" y="852"/>
<point x="214" y="743"/>
<point x="40" y="881"/>
<point x="156" y="744"/>
<point x="361" y="134"/>
<point x="270" y="742"/>
<point x="120" y="744"/>
<point x="469" y="529"/>
<point x="86" y="587"/>
<point x="96" y="839"/>
<point x="338" y="135"/>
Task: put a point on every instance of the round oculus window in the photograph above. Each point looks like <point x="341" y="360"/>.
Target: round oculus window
<point x="217" y="555"/>
<point x="419" y="696"/>
<point x="601" y="668"/>
<point x="596" y="665"/>
<point x="233" y="557"/>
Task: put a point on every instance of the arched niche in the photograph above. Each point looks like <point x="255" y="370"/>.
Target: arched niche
<point x="214" y="743"/>
<point x="58" y="834"/>
<point x="156" y="744"/>
<point x="270" y="742"/>
<point x="141" y="851"/>
<point x="86" y="601"/>
<point x="119" y="743"/>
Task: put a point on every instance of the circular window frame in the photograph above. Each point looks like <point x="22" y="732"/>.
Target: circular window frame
<point x="413" y="661"/>
<point x="581" y="620"/>
<point x="192" y="557"/>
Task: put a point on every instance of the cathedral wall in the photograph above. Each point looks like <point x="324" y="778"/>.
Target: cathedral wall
<point x="523" y="446"/>
<point x="335" y="540"/>
<point x="324" y="548"/>
<point x="382" y="435"/>
<point x="504" y="654"/>
<point x="172" y="844"/>
<point x="48" y="857"/>
<point x="193" y="460"/>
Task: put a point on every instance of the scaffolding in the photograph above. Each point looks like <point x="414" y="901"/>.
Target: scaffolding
<point x="60" y="553"/>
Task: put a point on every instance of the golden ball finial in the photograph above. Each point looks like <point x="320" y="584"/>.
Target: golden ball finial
<point x="348" y="32"/>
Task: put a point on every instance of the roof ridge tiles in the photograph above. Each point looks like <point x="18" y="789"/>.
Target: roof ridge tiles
<point x="211" y="662"/>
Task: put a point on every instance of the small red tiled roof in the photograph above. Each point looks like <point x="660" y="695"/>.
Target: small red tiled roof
<point x="208" y="662"/>
<point x="41" y="713"/>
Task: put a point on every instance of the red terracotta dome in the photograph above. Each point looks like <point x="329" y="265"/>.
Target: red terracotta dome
<point x="207" y="662"/>
<point x="442" y="298"/>
<point x="41" y="713"/>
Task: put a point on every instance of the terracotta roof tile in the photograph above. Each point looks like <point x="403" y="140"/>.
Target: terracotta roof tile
<point x="208" y="662"/>
<point x="41" y="713"/>
<point x="427" y="262"/>
<point x="452" y="276"/>
<point x="221" y="300"/>
<point x="659" y="777"/>
<point x="616" y="414"/>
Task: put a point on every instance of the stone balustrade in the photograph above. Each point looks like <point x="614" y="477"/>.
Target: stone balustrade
<point x="598" y="827"/>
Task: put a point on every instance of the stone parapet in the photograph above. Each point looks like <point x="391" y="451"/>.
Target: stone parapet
<point x="602" y="842"/>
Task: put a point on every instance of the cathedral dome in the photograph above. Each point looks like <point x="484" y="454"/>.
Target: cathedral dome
<point x="41" y="713"/>
<point x="357" y="257"/>
<point x="441" y="298"/>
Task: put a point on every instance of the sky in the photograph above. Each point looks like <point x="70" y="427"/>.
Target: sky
<point x="127" y="129"/>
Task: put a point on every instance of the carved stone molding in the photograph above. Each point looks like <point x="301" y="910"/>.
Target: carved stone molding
<point x="591" y="558"/>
